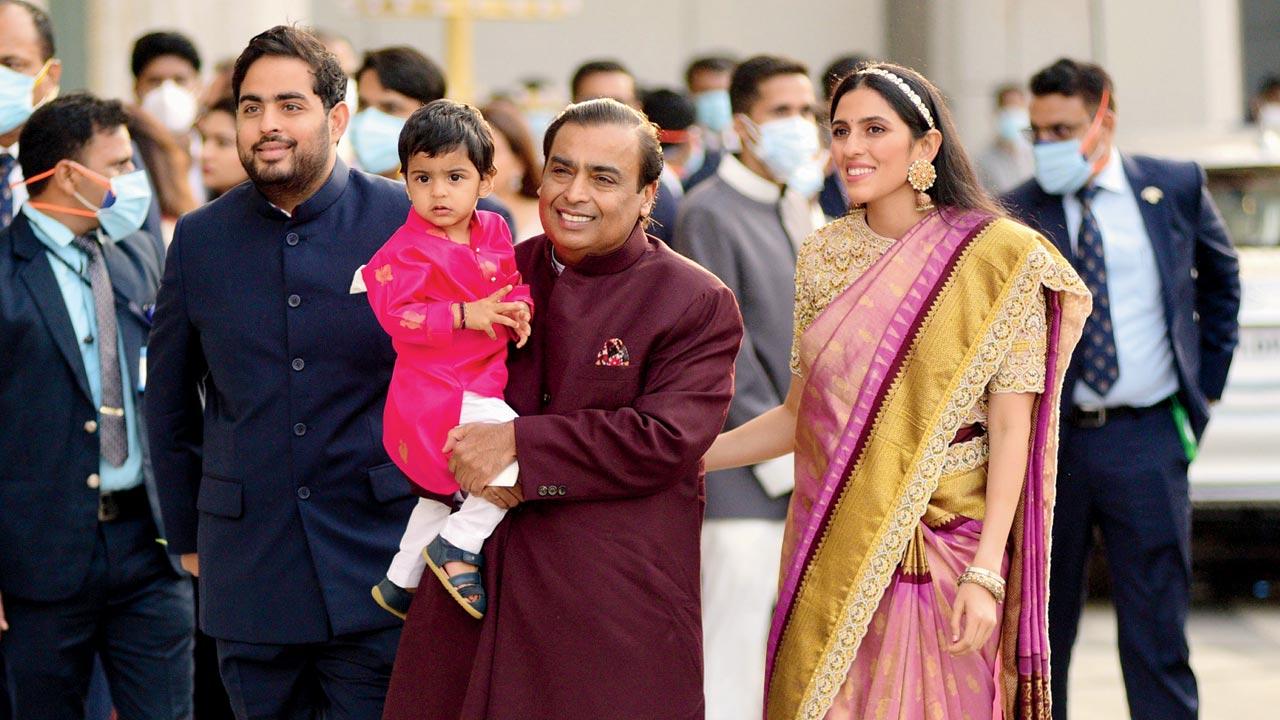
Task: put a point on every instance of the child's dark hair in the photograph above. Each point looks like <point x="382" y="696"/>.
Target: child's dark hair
<point x="442" y="126"/>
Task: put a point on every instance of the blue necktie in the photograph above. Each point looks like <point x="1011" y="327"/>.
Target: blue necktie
<point x="1098" y="345"/>
<point x="7" y="162"/>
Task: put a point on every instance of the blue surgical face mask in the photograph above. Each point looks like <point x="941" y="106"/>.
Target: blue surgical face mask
<point x="375" y="136"/>
<point x="1011" y="123"/>
<point x="15" y="96"/>
<point x="1061" y="168"/>
<point x="124" y="208"/>
<point x="713" y="110"/>
<point x="785" y="145"/>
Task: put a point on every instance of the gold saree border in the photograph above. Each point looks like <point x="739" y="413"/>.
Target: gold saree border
<point x="935" y="415"/>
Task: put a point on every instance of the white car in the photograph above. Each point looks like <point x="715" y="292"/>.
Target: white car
<point x="1239" y="460"/>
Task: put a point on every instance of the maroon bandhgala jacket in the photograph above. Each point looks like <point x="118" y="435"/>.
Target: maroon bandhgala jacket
<point x="594" y="602"/>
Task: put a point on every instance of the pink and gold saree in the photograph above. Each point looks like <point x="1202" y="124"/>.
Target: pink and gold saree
<point x="885" y="516"/>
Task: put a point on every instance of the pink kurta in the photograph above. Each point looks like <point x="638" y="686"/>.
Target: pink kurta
<point x="412" y="281"/>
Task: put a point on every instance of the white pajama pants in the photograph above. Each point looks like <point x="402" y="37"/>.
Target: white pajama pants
<point x="740" y="559"/>
<point x="472" y="523"/>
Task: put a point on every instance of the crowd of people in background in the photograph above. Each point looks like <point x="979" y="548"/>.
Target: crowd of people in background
<point x="96" y="615"/>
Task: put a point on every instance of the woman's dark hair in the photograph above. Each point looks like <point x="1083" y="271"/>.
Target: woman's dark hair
<point x="60" y="129"/>
<point x="329" y="82"/>
<point x="168" y="164"/>
<point x="513" y="128"/>
<point x="442" y="126"/>
<point x="407" y="71"/>
<point x="957" y="184"/>
<point x="1075" y="79"/>
<point x="607" y="111"/>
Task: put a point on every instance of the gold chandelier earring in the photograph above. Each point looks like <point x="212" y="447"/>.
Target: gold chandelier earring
<point x="921" y="174"/>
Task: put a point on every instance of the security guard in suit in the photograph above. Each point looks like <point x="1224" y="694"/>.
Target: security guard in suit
<point x="82" y="565"/>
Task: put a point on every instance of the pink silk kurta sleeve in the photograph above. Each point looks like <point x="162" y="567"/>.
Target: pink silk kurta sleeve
<point x="413" y="283"/>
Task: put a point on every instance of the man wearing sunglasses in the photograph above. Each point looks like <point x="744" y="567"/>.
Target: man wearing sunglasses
<point x="1148" y="241"/>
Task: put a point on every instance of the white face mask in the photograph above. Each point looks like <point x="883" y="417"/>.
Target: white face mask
<point x="1269" y="116"/>
<point x="173" y="106"/>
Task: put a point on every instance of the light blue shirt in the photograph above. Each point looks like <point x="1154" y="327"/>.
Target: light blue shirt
<point x="78" y="296"/>
<point x="1143" y="351"/>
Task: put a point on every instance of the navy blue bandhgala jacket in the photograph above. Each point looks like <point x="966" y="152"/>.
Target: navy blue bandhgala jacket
<point x="268" y="379"/>
<point x="1199" y="271"/>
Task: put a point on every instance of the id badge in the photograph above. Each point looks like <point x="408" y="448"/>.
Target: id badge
<point x="142" y="369"/>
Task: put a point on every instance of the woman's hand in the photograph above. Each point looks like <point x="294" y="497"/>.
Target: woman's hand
<point x="973" y="619"/>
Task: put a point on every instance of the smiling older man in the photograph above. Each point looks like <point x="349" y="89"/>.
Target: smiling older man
<point x="593" y="583"/>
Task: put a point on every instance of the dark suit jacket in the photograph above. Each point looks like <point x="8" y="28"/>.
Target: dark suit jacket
<point x="1199" y="272"/>
<point x="268" y="380"/>
<point x="48" y="513"/>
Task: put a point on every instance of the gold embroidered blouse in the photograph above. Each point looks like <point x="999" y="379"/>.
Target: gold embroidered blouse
<point x="836" y="255"/>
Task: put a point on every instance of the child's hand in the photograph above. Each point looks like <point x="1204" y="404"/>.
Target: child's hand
<point x="522" y="317"/>
<point x="485" y="313"/>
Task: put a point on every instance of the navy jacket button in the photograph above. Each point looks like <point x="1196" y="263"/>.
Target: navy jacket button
<point x="304" y="492"/>
<point x="300" y="429"/>
<point x="294" y="301"/>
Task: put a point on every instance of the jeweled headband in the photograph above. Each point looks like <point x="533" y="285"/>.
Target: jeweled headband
<point x="906" y="90"/>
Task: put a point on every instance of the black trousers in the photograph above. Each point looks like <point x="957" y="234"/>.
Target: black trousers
<point x="1129" y="480"/>
<point x="345" y="678"/>
<point x="134" y="612"/>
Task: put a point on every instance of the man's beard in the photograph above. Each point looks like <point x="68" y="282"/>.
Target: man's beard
<point x="280" y="183"/>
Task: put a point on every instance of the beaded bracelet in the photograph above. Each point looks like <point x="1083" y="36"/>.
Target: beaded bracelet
<point x="987" y="580"/>
<point x="462" y="312"/>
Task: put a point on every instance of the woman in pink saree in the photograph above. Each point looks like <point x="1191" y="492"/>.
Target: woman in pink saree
<point x="932" y="335"/>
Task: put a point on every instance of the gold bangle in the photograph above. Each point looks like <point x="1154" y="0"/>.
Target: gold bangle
<point x="996" y="588"/>
<point x="985" y="572"/>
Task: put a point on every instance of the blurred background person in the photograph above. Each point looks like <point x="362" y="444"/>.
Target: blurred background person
<point x="29" y="77"/>
<point x="168" y="168"/>
<point x="393" y="82"/>
<point x="220" y="167"/>
<point x="1265" y="112"/>
<point x="834" y="197"/>
<point x="707" y="81"/>
<point x="519" y="169"/>
<point x="683" y="148"/>
<point x="341" y="47"/>
<point x="604" y="79"/>
<point x="218" y="85"/>
<point x="166" y="84"/>
<point x="1008" y="162"/>
<point x="611" y="79"/>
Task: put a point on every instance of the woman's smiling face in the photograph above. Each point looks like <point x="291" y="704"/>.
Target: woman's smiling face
<point x="871" y="146"/>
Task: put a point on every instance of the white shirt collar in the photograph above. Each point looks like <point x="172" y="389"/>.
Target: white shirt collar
<point x="1112" y="177"/>
<point x="746" y="181"/>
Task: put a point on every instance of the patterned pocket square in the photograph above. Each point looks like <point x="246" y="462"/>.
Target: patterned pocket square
<point x="613" y="354"/>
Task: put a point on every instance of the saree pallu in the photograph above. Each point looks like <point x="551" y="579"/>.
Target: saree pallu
<point x="893" y="366"/>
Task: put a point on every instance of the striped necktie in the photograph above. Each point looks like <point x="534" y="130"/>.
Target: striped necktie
<point x="1099" y="367"/>
<point x="7" y="162"/>
<point x="112" y="435"/>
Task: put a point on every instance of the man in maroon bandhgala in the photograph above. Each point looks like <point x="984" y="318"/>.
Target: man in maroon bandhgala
<point x="592" y="579"/>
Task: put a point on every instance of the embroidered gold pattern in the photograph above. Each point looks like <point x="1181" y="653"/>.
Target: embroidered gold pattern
<point x="1038" y="269"/>
<point x="829" y="261"/>
<point x="383" y="274"/>
<point x="404" y="452"/>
